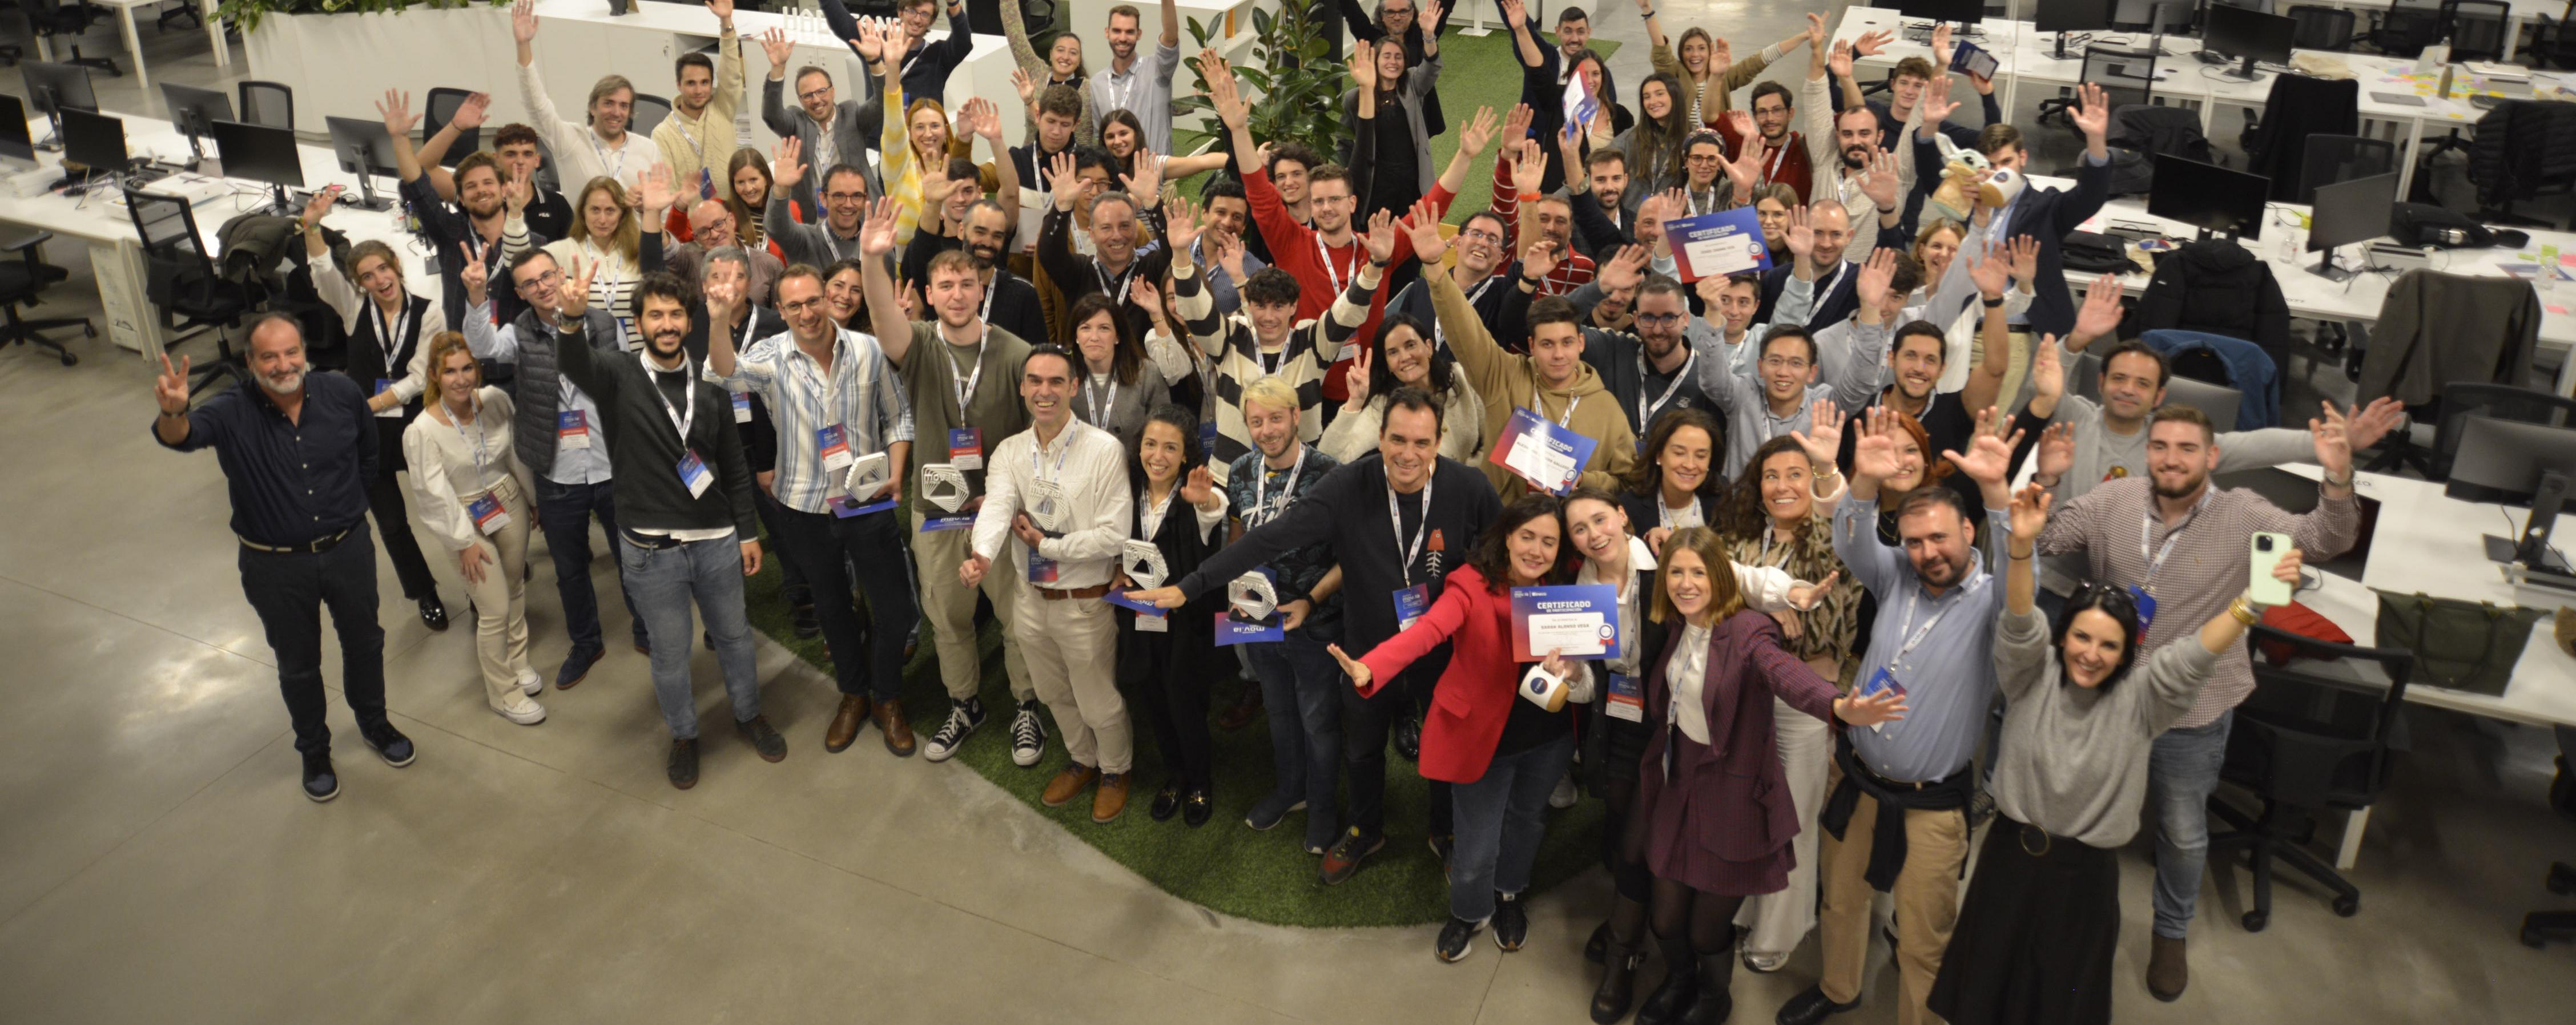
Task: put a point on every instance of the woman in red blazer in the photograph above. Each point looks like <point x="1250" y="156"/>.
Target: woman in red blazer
<point x="1501" y="754"/>
<point x="1715" y="819"/>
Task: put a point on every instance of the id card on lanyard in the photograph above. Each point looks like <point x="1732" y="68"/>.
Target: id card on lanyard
<point x="966" y="444"/>
<point x="486" y="512"/>
<point x="1050" y="502"/>
<point x="389" y="341"/>
<point x="2144" y="594"/>
<point x="693" y="471"/>
<point x="1411" y="600"/>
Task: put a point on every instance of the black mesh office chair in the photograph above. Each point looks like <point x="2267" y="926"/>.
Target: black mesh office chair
<point x="2539" y="927"/>
<point x="184" y="10"/>
<point x="2342" y="158"/>
<point x="2478" y="29"/>
<point x="2127" y="77"/>
<point x="66" y="23"/>
<point x="181" y="281"/>
<point x="2306" y="742"/>
<point x="437" y="109"/>
<point x="2406" y="28"/>
<point x="2322" y="28"/>
<point x="19" y="285"/>
<point x="271" y="104"/>
<point x="649" y="111"/>
<point x="2554" y="42"/>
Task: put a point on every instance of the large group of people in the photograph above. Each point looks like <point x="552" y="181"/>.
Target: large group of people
<point x="1296" y="403"/>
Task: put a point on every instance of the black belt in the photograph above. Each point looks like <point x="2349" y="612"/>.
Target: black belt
<point x="650" y="542"/>
<point x="313" y="547"/>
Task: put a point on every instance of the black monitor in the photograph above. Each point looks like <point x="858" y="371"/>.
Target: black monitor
<point x="2209" y="197"/>
<point x="2248" y="35"/>
<point x="1964" y="12"/>
<point x="2513" y="463"/>
<point x="193" y="112"/>
<point x="2347" y="212"/>
<point x="2067" y="17"/>
<point x="94" y="141"/>
<point x="53" y="87"/>
<point x="365" y="149"/>
<point x="261" y="154"/>
<point x="17" y="145"/>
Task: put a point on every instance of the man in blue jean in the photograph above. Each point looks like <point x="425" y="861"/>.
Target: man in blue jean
<point x="691" y="530"/>
<point x="558" y="437"/>
<point x="1299" y="682"/>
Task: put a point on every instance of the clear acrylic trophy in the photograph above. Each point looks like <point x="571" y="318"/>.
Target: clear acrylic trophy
<point x="944" y="486"/>
<point x="1143" y="564"/>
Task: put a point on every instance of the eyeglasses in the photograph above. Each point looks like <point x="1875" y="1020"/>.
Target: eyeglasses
<point x="548" y="279"/>
<point x="1659" y="318"/>
<point x="1704" y="158"/>
<point x="801" y="305"/>
<point x="1481" y="235"/>
<point x="816" y="94"/>
<point x="846" y="197"/>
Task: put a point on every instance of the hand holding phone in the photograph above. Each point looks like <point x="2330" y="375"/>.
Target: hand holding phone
<point x="2264" y="584"/>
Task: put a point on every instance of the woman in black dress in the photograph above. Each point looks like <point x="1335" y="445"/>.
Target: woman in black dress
<point x="1163" y="660"/>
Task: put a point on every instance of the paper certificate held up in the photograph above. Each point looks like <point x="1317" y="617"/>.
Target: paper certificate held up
<point x="1580" y="104"/>
<point x="1549" y="457"/>
<point x="1578" y="622"/>
<point x="1718" y="244"/>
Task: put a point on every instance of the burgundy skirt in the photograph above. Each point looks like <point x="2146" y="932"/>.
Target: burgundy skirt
<point x="1674" y="820"/>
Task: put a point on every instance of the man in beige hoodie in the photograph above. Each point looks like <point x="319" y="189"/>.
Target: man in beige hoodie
<point x="1552" y="381"/>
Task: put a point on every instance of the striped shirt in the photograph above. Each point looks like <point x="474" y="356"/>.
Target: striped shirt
<point x="1311" y="349"/>
<point x="861" y="395"/>
<point x="2206" y="568"/>
<point x="1574" y="271"/>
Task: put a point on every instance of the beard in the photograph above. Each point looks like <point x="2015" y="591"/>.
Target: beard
<point x="1856" y="157"/>
<point x="665" y="343"/>
<point x="2190" y="485"/>
<point x="986" y="256"/>
<point x="284" y="382"/>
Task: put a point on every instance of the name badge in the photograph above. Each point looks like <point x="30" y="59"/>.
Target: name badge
<point x="488" y="515"/>
<point x="2146" y="611"/>
<point x="572" y="429"/>
<point x="693" y="472"/>
<point x="1230" y="630"/>
<point x="1626" y="698"/>
<point x="1207" y="438"/>
<point x="1042" y="570"/>
<point x="1883" y="679"/>
<point x="834" y="446"/>
<point x="1155" y="623"/>
<point x="383" y="385"/>
<point x="1410" y="604"/>
<point x="742" y="407"/>
<point x="966" y="448"/>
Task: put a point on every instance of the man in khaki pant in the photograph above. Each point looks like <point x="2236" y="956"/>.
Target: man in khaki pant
<point x="1058" y="500"/>
<point x="1926" y="891"/>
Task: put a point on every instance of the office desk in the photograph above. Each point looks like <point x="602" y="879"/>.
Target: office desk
<point x="134" y="43"/>
<point x="116" y="254"/>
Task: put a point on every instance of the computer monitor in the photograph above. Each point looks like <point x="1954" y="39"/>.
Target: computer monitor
<point x="261" y="154"/>
<point x="193" y="112"/>
<point x="2067" y="17"/>
<point x="2347" y="212"/>
<point x="2208" y="197"/>
<point x="2512" y="463"/>
<point x="366" y="150"/>
<point x="55" y="87"/>
<point x="1964" y="12"/>
<point x="17" y="146"/>
<point x="94" y="141"/>
<point x="2249" y="35"/>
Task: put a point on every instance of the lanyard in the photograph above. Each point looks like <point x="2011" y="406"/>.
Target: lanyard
<point x="1539" y="400"/>
<point x="1778" y="154"/>
<point x="1646" y="411"/>
<point x="474" y="409"/>
<point x="1263" y="359"/>
<point x="688" y="390"/>
<point x="1826" y="287"/>
<point x="1339" y="280"/>
<point x="1916" y="638"/>
<point x="826" y="397"/>
<point x="1151" y="512"/>
<point x="966" y="389"/>
<point x="390" y="337"/>
<point x="1696" y="208"/>
<point x="1287" y="492"/>
<point x="1395" y="523"/>
<point x="1664" y="513"/>
<point x="832" y="243"/>
<point x="1125" y="279"/>
<point x="991" y="290"/>
<point x="920" y="46"/>
<point x="1035" y="470"/>
<point x="601" y="152"/>
<point x="1091" y="397"/>
<point x="695" y="146"/>
<point x="1439" y="334"/>
<point x="2146" y="525"/>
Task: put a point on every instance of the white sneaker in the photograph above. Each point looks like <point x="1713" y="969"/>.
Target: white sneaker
<point x="524" y="712"/>
<point x="530" y="683"/>
<point x="1564" y="795"/>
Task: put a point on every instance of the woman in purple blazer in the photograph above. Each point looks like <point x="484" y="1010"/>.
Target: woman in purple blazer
<point x="1715" y="819"/>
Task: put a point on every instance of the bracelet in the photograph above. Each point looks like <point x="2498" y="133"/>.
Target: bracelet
<point x="2244" y="612"/>
<point x="1532" y="282"/>
<point x="1529" y="197"/>
<point x="2049" y="484"/>
<point x="2021" y="555"/>
<point x="2345" y="483"/>
<point x="1376" y="264"/>
<point x="1992" y="303"/>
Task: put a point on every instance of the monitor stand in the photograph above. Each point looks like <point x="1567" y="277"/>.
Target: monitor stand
<point x="2060" y="53"/>
<point x="2326" y="268"/>
<point x="2529" y="560"/>
<point x="2243" y="71"/>
<point x="367" y="197"/>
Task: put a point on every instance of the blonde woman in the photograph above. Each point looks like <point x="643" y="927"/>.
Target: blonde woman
<point x="473" y="496"/>
<point x="1705" y="66"/>
<point x="616" y="240"/>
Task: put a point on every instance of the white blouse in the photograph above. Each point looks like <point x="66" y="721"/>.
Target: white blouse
<point x="1687" y="676"/>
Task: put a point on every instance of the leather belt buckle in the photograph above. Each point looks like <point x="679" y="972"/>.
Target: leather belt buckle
<point x="2045" y="841"/>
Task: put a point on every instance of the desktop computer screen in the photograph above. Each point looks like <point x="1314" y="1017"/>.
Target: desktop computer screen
<point x="2208" y="197"/>
<point x="94" y="141"/>
<point x="2071" y="16"/>
<point x="57" y="86"/>
<point x="17" y="146"/>
<point x="2249" y="36"/>
<point x="259" y="153"/>
<point x="2501" y="461"/>
<point x="2347" y="212"/>
<point x="1965" y="12"/>
<point x="194" y="111"/>
<point x="365" y="149"/>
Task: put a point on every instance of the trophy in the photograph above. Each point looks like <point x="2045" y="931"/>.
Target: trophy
<point x="868" y="474"/>
<point x="1253" y="597"/>
<point x="1143" y="564"/>
<point x="1048" y="508"/>
<point x="944" y="486"/>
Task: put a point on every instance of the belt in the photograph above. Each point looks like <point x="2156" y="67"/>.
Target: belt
<point x="1073" y="594"/>
<point x="650" y="542"/>
<point x="313" y="547"/>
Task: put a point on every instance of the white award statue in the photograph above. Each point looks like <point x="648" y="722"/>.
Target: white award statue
<point x="944" y="486"/>
<point x="1046" y="508"/>
<point x="1253" y="595"/>
<point x="1143" y="564"/>
<point x="868" y="474"/>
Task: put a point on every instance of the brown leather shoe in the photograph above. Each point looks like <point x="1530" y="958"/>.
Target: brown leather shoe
<point x="846" y="723"/>
<point x="888" y="715"/>
<point x="1112" y="798"/>
<point x="2168" y="970"/>
<point x="1067" y="784"/>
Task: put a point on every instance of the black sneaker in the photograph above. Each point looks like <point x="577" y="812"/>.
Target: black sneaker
<point x="1269" y="811"/>
<point x="1028" y="736"/>
<point x="772" y="747"/>
<point x="1408" y="738"/>
<point x="1807" y="1008"/>
<point x="1511" y="921"/>
<point x="802" y="618"/>
<point x="1454" y="937"/>
<point x="683" y="764"/>
<point x="320" y="783"/>
<point x="388" y="743"/>
<point x="433" y="613"/>
<point x="1167" y="802"/>
<point x="963" y="717"/>
<point x="1347" y="853"/>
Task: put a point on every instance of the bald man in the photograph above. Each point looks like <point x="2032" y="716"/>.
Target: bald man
<point x="712" y="227"/>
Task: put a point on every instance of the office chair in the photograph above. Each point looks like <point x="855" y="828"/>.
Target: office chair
<point x="19" y="285"/>
<point x="2521" y="149"/>
<point x="2406" y="28"/>
<point x="46" y="18"/>
<point x="2305" y="743"/>
<point x="437" y="109"/>
<point x="2539" y="927"/>
<point x="546" y="177"/>
<point x="2322" y="28"/>
<point x="181" y="11"/>
<point x="2554" y="39"/>
<point x="180" y="280"/>
<point x="649" y="112"/>
<point x="2477" y="28"/>
<point x="271" y="104"/>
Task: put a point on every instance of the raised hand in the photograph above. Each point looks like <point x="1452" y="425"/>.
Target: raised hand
<point x="1026" y="86"/>
<point x="396" y="110"/>
<point x="2374" y="421"/>
<point x="1874" y="445"/>
<point x="1222" y="92"/>
<point x="1147" y="183"/>
<point x="2047" y="372"/>
<point x="2100" y="314"/>
<point x="170" y="387"/>
<point x="1364" y="72"/>
<point x="1721" y="54"/>
<point x="2056" y="451"/>
<point x="1358" y="381"/>
<point x="2025" y="260"/>
<point x="1514" y="13"/>
<point x="1538" y="260"/>
<point x="1357" y="670"/>
<point x="573" y="295"/>
<point x="1225" y="248"/>
<point x="1987" y="267"/>
<point x="1181" y="225"/>
<point x="723" y="10"/>
<point x="1479" y="132"/>
<point x="1625" y="270"/>
<point x="1940" y="50"/>
<point x="1839" y="62"/>
<point x="872" y="40"/>
<point x="1881" y="182"/>
<point x="1870" y="709"/>
<point x="2093" y="118"/>
<point x="1936" y="104"/>
<point x="1800" y="234"/>
<point x="876" y="237"/>
<point x="2333" y="442"/>
<point x="1149" y="297"/>
<point x="1874" y="281"/>
<point x="1381" y="237"/>
<point x="1516" y="123"/>
<point x="1529" y="167"/>
<point x="2030" y="512"/>
<point x="517" y="192"/>
<point x="775" y="43"/>
<point x="1989" y="458"/>
<point x="787" y="163"/>
<point x="470" y="114"/>
<point x="1065" y="186"/>
<point x="318" y="206"/>
<point x="1198" y="486"/>
<point x="1423" y="226"/>
<point x="1804" y="597"/>
<point x="1745" y="171"/>
<point x="1823" y="438"/>
<point x="470" y="272"/>
<point x="523" y="21"/>
<point x="1871" y="44"/>
<point x="653" y="190"/>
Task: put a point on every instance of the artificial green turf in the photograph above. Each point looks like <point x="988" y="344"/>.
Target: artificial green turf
<point x="1223" y="865"/>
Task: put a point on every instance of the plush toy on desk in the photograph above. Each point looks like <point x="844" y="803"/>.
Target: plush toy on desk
<point x="1969" y="182"/>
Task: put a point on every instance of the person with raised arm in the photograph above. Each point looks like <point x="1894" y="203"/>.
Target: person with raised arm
<point x="599" y="147"/>
<point x="1037" y="76"/>
<point x="831" y="132"/>
<point x="1135" y="85"/>
<point x="1844" y="151"/>
<point x="1122" y="230"/>
<point x="1267" y="339"/>
<point x="1406" y="354"/>
<point x="1794" y="367"/>
<point x="618" y="241"/>
<point x="699" y="136"/>
<point x="490" y="221"/>
<point x="1705" y="64"/>
<point x="1165" y="659"/>
<point x="1387" y="99"/>
<point x="923" y="67"/>
<point x="845" y="208"/>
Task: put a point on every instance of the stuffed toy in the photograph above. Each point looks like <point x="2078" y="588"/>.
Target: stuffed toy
<point x="1968" y="182"/>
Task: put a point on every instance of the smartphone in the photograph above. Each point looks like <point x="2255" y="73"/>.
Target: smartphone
<point x="2268" y="550"/>
<point x="1974" y="60"/>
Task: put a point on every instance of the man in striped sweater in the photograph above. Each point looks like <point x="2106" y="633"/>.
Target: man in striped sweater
<point x="1267" y="339"/>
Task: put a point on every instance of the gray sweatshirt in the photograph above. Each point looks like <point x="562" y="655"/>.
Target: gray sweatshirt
<point x="2074" y="758"/>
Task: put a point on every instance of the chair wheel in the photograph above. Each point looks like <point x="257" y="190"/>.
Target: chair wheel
<point x="70" y="359"/>
<point x="2347" y="906"/>
<point x="2532" y="938"/>
<point x="87" y="331"/>
<point x="2256" y="920"/>
<point x="2562" y="880"/>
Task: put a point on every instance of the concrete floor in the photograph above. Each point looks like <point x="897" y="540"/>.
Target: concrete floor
<point x="159" y="864"/>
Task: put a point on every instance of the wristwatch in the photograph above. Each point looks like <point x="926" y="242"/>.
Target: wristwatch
<point x="1992" y="303"/>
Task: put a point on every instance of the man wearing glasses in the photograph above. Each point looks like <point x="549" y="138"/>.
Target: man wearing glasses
<point x="832" y="132"/>
<point x="845" y="206"/>
<point x="1647" y="363"/>
<point x="558" y="437"/>
<point x="1481" y="245"/>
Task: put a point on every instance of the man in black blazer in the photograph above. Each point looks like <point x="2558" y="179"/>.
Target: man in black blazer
<point x="2043" y="214"/>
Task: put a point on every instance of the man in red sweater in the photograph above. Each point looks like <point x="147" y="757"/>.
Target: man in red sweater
<point x="1324" y="257"/>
